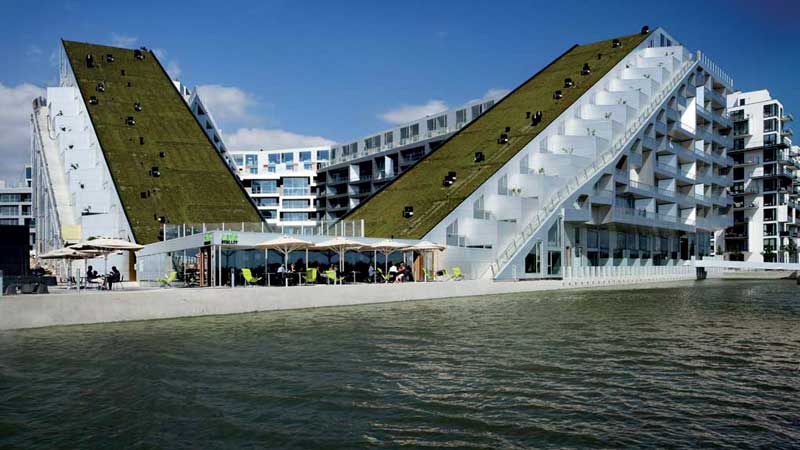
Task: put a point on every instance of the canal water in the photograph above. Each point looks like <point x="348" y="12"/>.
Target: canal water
<point x="709" y="364"/>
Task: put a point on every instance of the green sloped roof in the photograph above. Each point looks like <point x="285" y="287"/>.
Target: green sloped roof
<point x="194" y="185"/>
<point x="421" y="185"/>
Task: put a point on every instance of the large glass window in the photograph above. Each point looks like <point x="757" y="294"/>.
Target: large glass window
<point x="9" y="222"/>
<point x="770" y="125"/>
<point x="771" y="110"/>
<point x="770" y="139"/>
<point x="738" y="144"/>
<point x="274" y="158"/>
<point x="9" y="211"/>
<point x="296" y="204"/>
<point x="294" y="216"/>
<point x="9" y="198"/>
<point x="264" y="187"/>
<point x="266" y="201"/>
<point x="461" y="117"/>
<point x="251" y="162"/>
<point x="238" y="160"/>
<point x="296" y="186"/>
<point x="322" y="155"/>
<point x="287" y="157"/>
<point x="305" y="156"/>
<point x="388" y="137"/>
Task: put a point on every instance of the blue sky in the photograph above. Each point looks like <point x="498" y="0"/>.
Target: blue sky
<point x="297" y="72"/>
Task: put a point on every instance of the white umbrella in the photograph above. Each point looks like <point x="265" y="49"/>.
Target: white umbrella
<point x="68" y="254"/>
<point x="425" y="247"/>
<point x="340" y="245"/>
<point x="285" y="245"/>
<point x="106" y="245"/>
<point x="387" y="247"/>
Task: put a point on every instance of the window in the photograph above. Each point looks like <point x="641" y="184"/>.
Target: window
<point x="265" y="187"/>
<point x="308" y="166"/>
<point x="741" y="102"/>
<point x="461" y="117"/>
<point x="296" y="204"/>
<point x="9" y="198"/>
<point x="532" y="260"/>
<point x="738" y="173"/>
<point x="769" y="214"/>
<point x="769" y="199"/>
<point x="770" y="125"/>
<point x="238" y="160"/>
<point x="476" y="111"/>
<point x="294" y="216"/>
<point x="738" y="144"/>
<point x="305" y="156"/>
<point x="295" y="186"/>
<point x="269" y="214"/>
<point x="322" y="155"/>
<point x="478" y="210"/>
<point x="741" y="128"/>
<point x="414" y="130"/>
<point x="287" y="157"/>
<point x="771" y="110"/>
<point x="9" y="222"/>
<point x="502" y="185"/>
<point x="251" y="163"/>
<point x="274" y="158"/>
<point x="388" y="137"/>
<point x="26" y="210"/>
<point x="266" y="201"/>
<point x="372" y="142"/>
<point x="770" y="139"/>
<point x="9" y="211"/>
<point x="737" y="115"/>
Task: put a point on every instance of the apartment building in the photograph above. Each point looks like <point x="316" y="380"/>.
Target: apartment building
<point x="282" y="183"/>
<point x="612" y="158"/>
<point x="16" y="207"/>
<point x="361" y="167"/>
<point x="766" y="213"/>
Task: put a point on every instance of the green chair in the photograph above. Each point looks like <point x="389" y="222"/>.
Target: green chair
<point x="428" y="275"/>
<point x="331" y="274"/>
<point x="311" y="276"/>
<point x="165" y="282"/>
<point x="457" y="275"/>
<point x="249" y="278"/>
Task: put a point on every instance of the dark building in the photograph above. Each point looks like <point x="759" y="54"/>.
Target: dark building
<point x="14" y="250"/>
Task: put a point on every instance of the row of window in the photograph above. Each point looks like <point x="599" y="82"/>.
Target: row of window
<point x="287" y="216"/>
<point x="15" y="198"/>
<point x="13" y="211"/>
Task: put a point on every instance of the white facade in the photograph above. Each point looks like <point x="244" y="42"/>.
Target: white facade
<point x="282" y="183"/>
<point x="74" y="197"/>
<point x="16" y="205"/>
<point x="765" y="182"/>
<point x="358" y="169"/>
<point x="633" y="174"/>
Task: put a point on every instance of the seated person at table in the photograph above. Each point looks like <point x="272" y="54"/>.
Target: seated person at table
<point x="291" y="274"/>
<point x="112" y="277"/>
<point x="392" y="273"/>
<point x="371" y="273"/>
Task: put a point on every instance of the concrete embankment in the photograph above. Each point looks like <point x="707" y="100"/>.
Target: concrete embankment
<point x="33" y="311"/>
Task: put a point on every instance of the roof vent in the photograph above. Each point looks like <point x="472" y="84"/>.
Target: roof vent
<point x="447" y="182"/>
<point x="478" y="157"/>
<point x="508" y="129"/>
<point x="154" y="172"/>
<point x="162" y="154"/>
<point x="557" y="95"/>
<point x="452" y="175"/>
<point x="568" y="83"/>
<point x="599" y="56"/>
<point x="144" y="194"/>
<point x="503" y="139"/>
<point x="586" y="70"/>
<point x="645" y="29"/>
<point x="138" y="54"/>
<point x="616" y="43"/>
<point x="89" y="61"/>
<point x="537" y="118"/>
<point x="93" y="100"/>
<point x="137" y="107"/>
<point x="129" y="84"/>
<point x="527" y="114"/>
<point x="109" y="58"/>
<point x="101" y="87"/>
<point x="122" y="72"/>
<point x="130" y="121"/>
<point x="141" y="140"/>
<point x="408" y="212"/>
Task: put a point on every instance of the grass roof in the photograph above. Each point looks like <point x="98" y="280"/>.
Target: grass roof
<point x="421" y="185"/>
<point x="194" y="185"/>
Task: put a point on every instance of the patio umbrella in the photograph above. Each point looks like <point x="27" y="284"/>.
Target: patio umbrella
<point x="425" y="247"/>
<point x="387" y="247"/>
<point x="67" y="254"/>
<point x="106" y="245"/>
<point x="340" y="245"/>
<point x="285" y="245"/>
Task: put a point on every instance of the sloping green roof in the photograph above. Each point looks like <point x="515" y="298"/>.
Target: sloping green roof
<point x="195" y="185"/>
<point x="421" y="185"/>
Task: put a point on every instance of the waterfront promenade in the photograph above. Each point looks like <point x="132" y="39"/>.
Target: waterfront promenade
<point x="72" y="308"/>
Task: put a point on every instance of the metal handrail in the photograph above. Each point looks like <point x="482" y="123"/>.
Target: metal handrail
<point x="616" y="148"/>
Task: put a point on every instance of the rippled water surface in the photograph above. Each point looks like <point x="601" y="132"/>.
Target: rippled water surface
<point x="706" y="365"/>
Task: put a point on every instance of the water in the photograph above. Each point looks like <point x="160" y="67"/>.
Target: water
<point x="704" y="365"/>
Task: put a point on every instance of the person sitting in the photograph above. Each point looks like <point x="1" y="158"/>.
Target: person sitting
<point x="92" y="277"/>
<point x="392" y="273"/>
<point x="113" y="277"/>
<point x="371" y="273"/>
<point x="281" y="274"/>
<point x="291" y="274"/>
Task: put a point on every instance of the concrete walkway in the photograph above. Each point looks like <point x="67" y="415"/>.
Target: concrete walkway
<point x="33" y="311"/>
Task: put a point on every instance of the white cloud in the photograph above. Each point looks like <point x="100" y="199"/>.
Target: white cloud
<point x="408" y="113"/>
<point x="15" y="111"/>
<point x="120" y="40"/>
<point x="496" y="93"/>
<point x="271" y="139"/>
<point x="33" y="52"/>
<point x="227" y="102"/>
<point x="174" y="70"/>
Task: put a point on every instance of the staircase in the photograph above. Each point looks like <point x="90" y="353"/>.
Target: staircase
<point x="632" y="98"/>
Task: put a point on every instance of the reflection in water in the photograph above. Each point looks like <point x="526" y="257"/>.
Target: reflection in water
<point x="698" y="365"/>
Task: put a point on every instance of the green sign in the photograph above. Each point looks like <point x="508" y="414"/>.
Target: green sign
<point x="230" y="238"/>
<point x="207" y="238"/>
